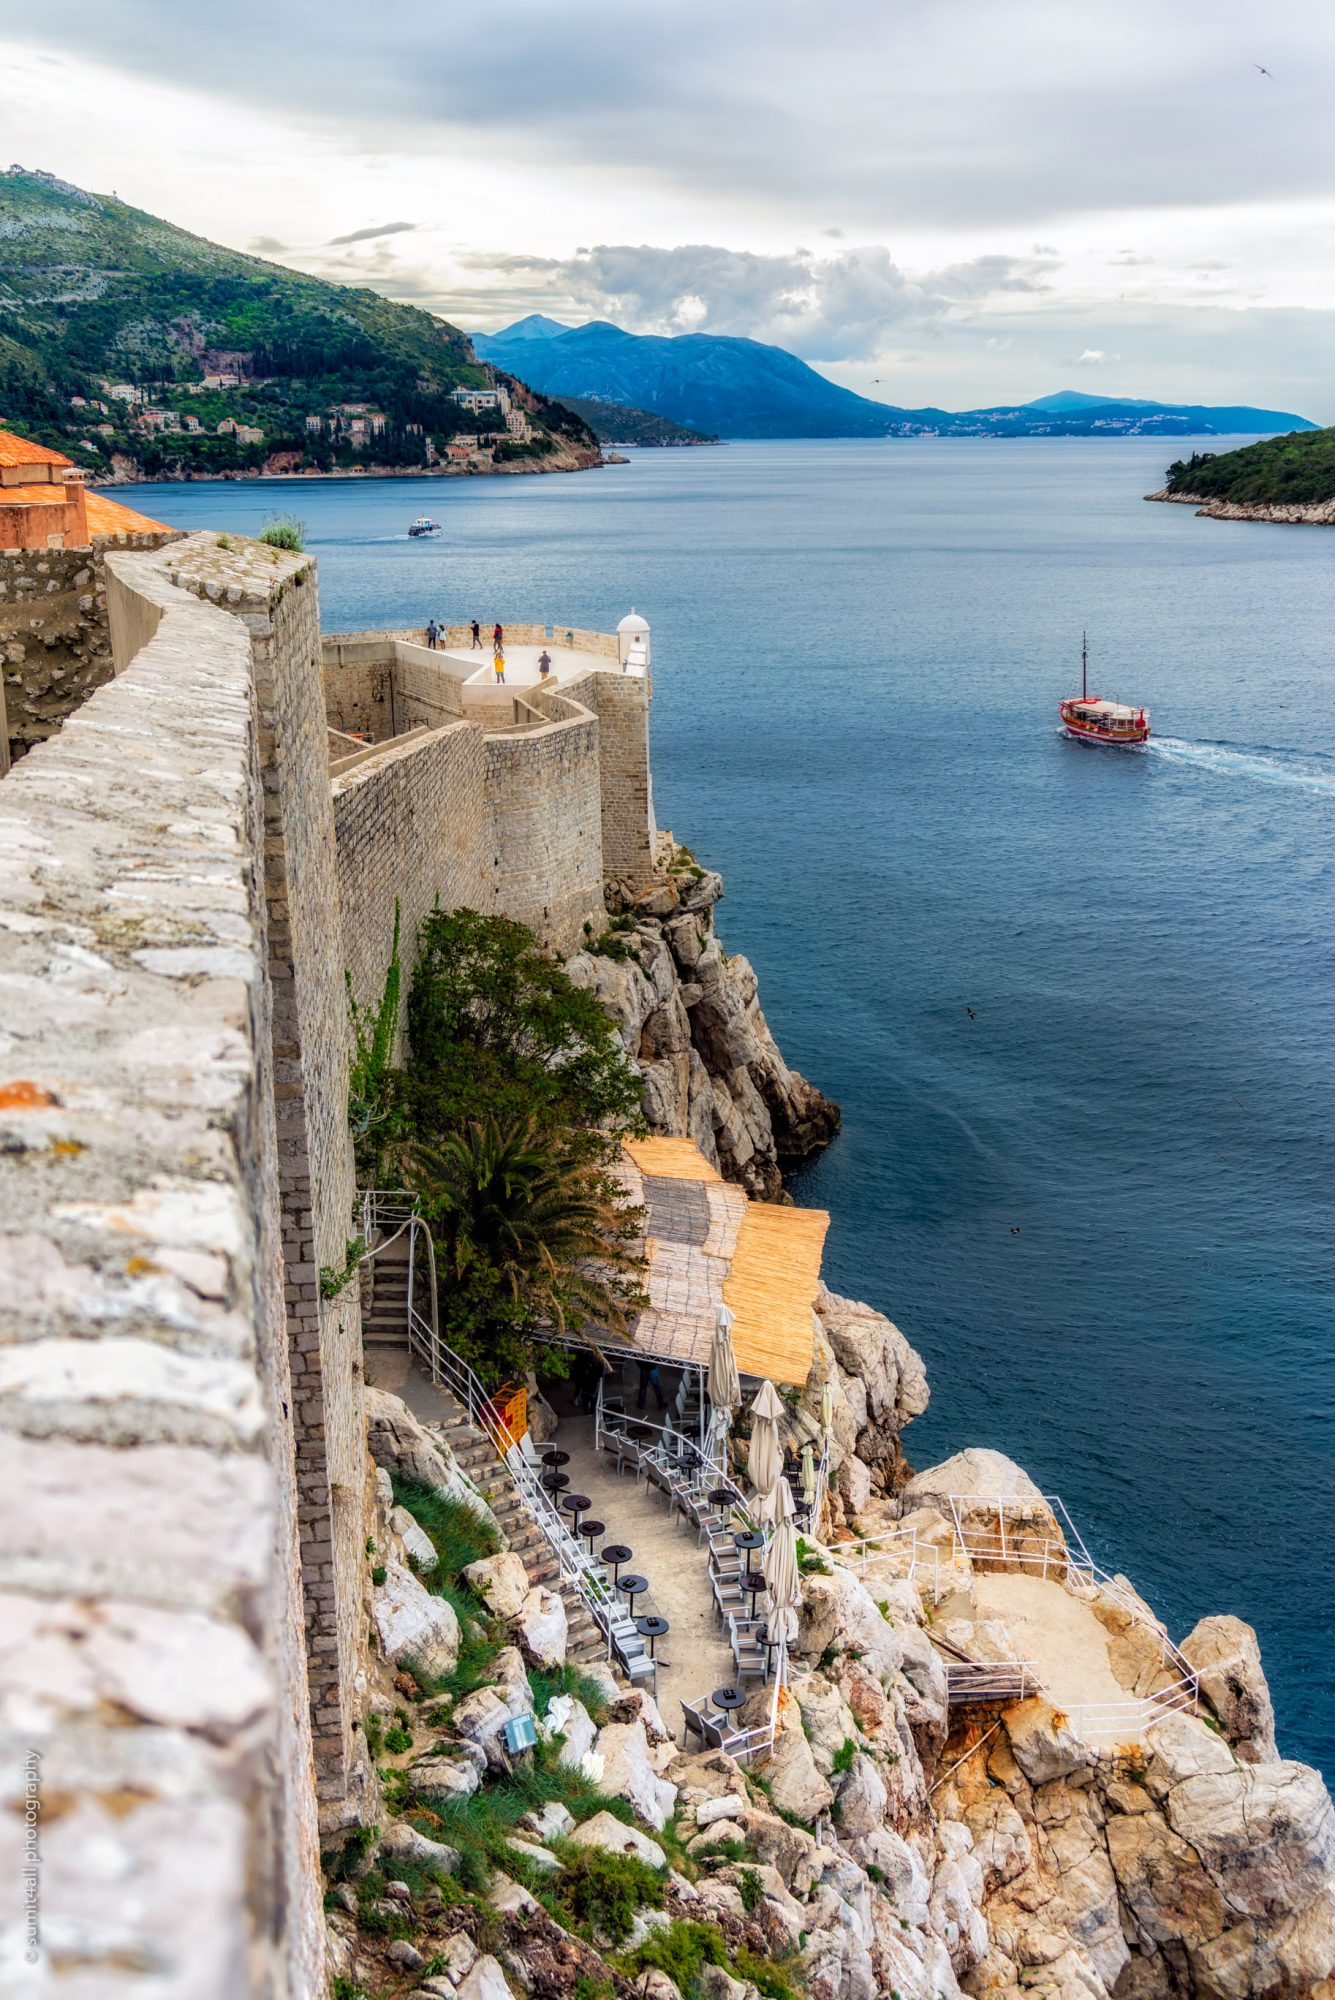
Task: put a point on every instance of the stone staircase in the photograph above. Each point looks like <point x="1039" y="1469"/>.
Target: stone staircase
<point x="385" y="1307"/>
<point x="586" y="1645"/>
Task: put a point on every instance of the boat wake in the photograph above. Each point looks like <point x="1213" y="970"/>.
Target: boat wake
<point x="1259" y="767"/>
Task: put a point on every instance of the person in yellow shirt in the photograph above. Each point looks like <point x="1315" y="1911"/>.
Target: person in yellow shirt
<point x="499" y="663"/>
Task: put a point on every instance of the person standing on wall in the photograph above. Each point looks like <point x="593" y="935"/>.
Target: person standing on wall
<point x="432" y="633"/>
<point x="544" y="664"/>
<point x="477" y="637"/>
<point x="497" y="640"/>
<point x="498" y="663"/>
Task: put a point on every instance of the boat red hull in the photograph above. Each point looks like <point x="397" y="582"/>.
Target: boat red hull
<point x="1134" y="738"/>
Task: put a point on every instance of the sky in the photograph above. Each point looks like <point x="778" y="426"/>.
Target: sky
<point x="954" y="202"/>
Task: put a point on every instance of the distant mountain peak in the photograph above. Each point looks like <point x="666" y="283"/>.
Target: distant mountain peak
<point x="536" y="326"/>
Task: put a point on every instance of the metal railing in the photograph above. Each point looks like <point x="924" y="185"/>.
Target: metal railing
<point x="1064" y="1562"/>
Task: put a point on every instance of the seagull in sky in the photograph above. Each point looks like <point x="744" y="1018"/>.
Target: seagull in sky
<point x="1264" y="71"/>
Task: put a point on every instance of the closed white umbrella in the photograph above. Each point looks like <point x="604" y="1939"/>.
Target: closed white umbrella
<point x="725" y="1388"/>
<point x="778" y="1505"/>
<point x="764" y="1461"/>
<point x="782" y="1582"/>
<point x="827" y="1408"/>
<point x="808" y="1474"/>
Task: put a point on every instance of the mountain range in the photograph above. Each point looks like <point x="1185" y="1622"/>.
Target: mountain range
<point x="747" y="389"/>
<point x="136" y="347"/>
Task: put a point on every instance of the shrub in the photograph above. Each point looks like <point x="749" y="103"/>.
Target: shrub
<point x="605" y="1890"/>
<point x="750" y="1888"/>
<point x="398" y="1739"/>
<point x="681" y="1950"/>
<point x="844" y="1755"/>
<point x="284" y="531"/>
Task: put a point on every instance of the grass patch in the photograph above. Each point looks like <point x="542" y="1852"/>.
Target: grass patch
<point x="681" y="1950"/>
<point x="809" y="1561"/>
<point x="750" y="1888"/>
<point x="603" y="1892"/>
<point x="844" y="1755"/>
<point x="722" y="1850"/>
<point x="459" y="1536"/>
<point x="546" y="1682"/>
<point x="480" y="1827"/>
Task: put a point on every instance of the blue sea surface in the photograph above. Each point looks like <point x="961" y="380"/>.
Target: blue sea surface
<point x="1100" y="1204"/>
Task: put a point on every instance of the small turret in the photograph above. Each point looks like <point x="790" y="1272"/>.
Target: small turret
<point x="633" y="643"/>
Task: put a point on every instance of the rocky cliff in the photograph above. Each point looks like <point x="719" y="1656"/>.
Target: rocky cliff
<point x="1315" y="514"/>
<point x="690" y="1020"/>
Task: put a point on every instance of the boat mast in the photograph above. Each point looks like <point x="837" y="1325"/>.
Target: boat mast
<point x="1084" y="666"/>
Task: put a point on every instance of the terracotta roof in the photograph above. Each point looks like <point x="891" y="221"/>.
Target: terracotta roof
<point x="32" y="496"/>
<point x="20" y="451"/>
<point x="108" y="517"/>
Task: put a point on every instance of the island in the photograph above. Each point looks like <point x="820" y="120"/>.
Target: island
<point x="1289" y="480"/>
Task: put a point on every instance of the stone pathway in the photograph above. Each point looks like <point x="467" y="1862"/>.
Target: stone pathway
<point x="695" y="1657"/>
<point x="1058" y="1634"/>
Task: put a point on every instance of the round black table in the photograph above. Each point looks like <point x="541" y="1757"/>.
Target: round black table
<point x="616" y="1553"/>
<point x="632" y="1587"/>
<point x="749" y="1538"/>
<point x="591" y="1531"/>
<point x="753" y="1581"/>
<point x="556" y="1482"/>
<point x="723" y="1496"/>
<point x="652" y="1629"/>
<point x="770" y="1645"/>
<point x="728" y="1699"/>
<point x="555" y="1457"/>
<point x="576" y="1504"/>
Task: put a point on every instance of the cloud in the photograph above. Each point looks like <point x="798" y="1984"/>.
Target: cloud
<point x="836" y="308"/>
<point x="1094" y="357"/>
<point x="986" y="112"/>
<point x="377" y="229"/>
<point x="267" y="246"/>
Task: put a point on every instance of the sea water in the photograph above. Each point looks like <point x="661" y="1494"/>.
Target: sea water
<point x="1078" y="1005"/>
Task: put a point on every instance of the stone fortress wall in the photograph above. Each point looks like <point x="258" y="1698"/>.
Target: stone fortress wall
<point x="55" y="646"/>
<point x="521" y="804"/>
<point x="185" y="875"/>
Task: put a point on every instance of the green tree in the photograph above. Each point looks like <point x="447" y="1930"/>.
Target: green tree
<point x="498" y="1030"/>
<point x="531" y="1232"/>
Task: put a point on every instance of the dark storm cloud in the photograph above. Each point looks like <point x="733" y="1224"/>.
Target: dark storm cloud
<point x="931" y="111"/>
<point x="376" y="229"/>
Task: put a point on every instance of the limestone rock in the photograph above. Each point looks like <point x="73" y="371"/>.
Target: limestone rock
<point x="500" y="1581"/>
<point x="404" y="1843"/>
<point x="401" y="1444"/>
<point x="414" y="1626"/>
<point x="838" y="1614"/>
<point x="613" y="1836"/>
<point x="540" y="1625"/>
<point x="1043" y="1744"/>
<point x="416" y="1541"/>
<point x="577" y="1727"/>
<point x="731" y="1806"/>
<point x="480" y="1717"/>
<point x="978" y="1478"/>
<point x="794" y="1783"/>
<point x="484" y="1979"/>
<point x="628" y="1773"/>
<point x="1227" y="1659"/>
<point x="442" y="1776"/>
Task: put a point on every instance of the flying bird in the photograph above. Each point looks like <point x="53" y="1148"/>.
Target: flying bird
<point x="1264" y="71"/>
<point x="972" y="1016"/>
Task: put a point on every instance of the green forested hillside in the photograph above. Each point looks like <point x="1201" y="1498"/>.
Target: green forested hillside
<point x="94" y="292"/>
<point x="618" y="423"/>
<point x="1293" y="471"/>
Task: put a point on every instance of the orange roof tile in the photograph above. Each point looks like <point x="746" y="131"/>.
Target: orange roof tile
<point x="109" y="517"/>
<point x="32" y="496"/>
<point x="20" y="451"/>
